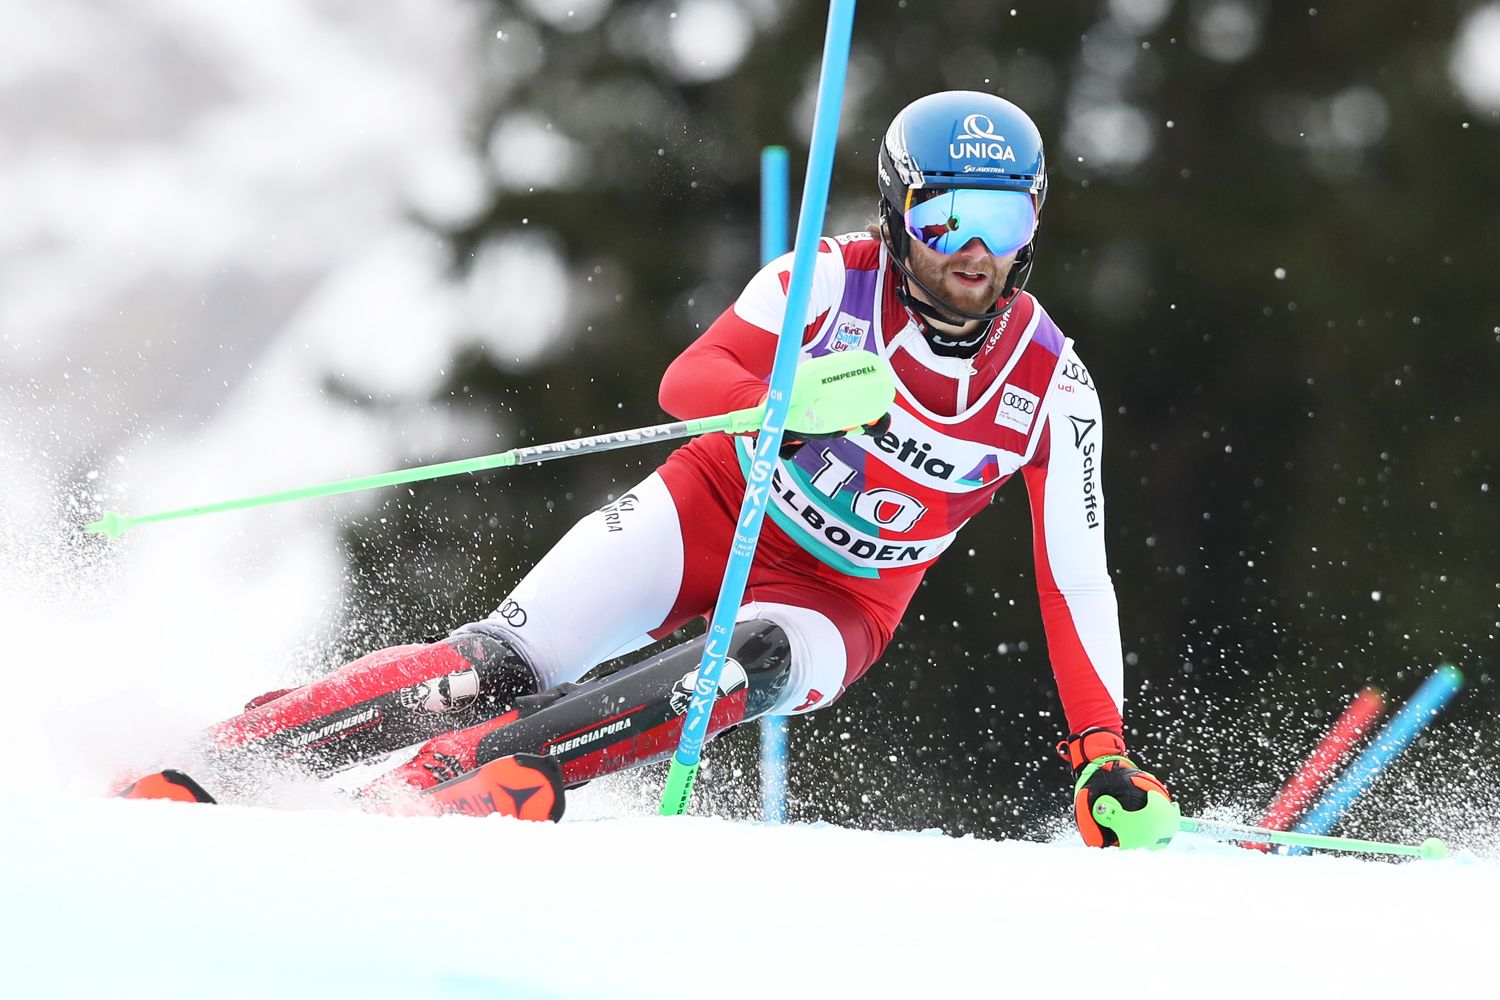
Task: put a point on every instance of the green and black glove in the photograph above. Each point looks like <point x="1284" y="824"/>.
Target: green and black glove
<point x="1115" y="803"/>
<point x="848" y="392"/>
<point x="792" y="440"/>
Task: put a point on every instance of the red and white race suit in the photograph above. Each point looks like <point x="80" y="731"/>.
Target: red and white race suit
<point x="855" y="522"/>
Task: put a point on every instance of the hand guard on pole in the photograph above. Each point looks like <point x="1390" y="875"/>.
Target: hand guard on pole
<point x="839" y="394"/>
<point x="1115" y="803"/>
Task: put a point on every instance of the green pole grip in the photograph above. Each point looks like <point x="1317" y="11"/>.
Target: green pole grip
<point x="114" y="524"/>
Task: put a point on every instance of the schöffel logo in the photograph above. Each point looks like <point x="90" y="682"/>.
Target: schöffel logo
<point x="978" y="141"/>
<point x="1017" y="408"/>
<point x="999" y="330"/>
<point x="1081" y="428"/>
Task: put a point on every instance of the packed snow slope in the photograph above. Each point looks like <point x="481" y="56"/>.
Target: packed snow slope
<point x="102" y="897"/>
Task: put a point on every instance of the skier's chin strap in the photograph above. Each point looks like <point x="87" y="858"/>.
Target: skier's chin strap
<point x="942" y="342"/>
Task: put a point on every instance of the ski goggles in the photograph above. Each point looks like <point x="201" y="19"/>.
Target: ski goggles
<point x="950" y="217"/>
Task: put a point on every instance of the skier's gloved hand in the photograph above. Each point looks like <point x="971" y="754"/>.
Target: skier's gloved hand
<point x="1138" y="810"/>
<point x="846" y="392"/>
<point x="791" y="441"/>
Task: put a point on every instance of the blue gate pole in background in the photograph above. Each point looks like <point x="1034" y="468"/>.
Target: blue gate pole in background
<point x="684" y="768"/>
<point x="773" y="215"/>
<point x="1404" y="727"/>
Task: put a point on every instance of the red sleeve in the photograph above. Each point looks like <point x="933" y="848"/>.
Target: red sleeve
<point x="725" y="369"/>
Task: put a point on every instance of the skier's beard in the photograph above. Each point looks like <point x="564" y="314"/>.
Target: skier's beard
<point x="940" y="272"/>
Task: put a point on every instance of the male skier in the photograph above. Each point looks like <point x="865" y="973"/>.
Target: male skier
<point x="986" y="386"/>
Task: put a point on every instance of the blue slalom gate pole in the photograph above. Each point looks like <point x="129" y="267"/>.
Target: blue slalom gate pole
<point x="773" y="214"/>
<point x="1404" y="727"/>
<point x="684" y="768"/>
<point x="773" y="203"/>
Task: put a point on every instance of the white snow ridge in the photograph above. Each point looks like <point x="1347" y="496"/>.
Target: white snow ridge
<point x="116" y="898"/>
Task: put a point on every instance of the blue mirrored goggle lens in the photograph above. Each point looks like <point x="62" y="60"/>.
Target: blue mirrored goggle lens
<point x="1004" y="220"/>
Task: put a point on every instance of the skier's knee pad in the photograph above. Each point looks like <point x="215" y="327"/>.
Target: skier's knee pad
<point x="759" y="661"/>
<point x="633" y="715"/>
<point x="502" y="673"/>
<point x="762" y="650"/>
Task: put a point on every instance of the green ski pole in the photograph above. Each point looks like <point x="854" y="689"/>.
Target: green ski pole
<point x="114" y="524"/>
<point x="1432" y="848"/>
<point x="1153" y="825"/>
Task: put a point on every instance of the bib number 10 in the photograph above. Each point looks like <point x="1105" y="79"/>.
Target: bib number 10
<point x="891" y="509"/>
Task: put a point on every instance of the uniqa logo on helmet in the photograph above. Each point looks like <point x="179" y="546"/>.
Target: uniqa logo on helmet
<point x="978" y="141"/>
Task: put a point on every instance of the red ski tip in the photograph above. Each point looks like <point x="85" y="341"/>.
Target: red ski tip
<point x="172" y="785"/>
<point x="526" y="786"/>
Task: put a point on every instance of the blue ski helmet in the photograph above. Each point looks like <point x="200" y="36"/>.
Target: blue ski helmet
<point x="960" y="141"/>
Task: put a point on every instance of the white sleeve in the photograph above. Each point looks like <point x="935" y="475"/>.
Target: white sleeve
<point x="1077" y="596"/>
<point x="763" y="303"/>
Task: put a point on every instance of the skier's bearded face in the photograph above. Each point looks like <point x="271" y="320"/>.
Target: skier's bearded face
<point x="970" y="278"/>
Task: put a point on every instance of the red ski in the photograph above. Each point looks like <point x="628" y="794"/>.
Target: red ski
<point x="172" y="785"/>
<point x="526" y="786"/>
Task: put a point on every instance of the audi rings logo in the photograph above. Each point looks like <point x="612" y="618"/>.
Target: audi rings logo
<point x="1019" y="403"/>
<point x="1075" y="371"/>
<point x="1017" y="408"/>
<point x="512" y="613"/>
